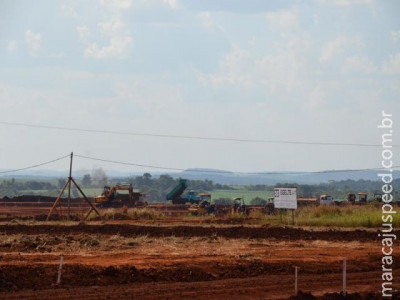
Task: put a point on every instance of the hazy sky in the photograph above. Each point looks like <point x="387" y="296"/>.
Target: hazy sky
<point x="275" y="70"/>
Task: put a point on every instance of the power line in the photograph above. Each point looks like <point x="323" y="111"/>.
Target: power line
<point x="34" y="166"/>
<point x="223" y="139"/>
<point x="226" y="172"/>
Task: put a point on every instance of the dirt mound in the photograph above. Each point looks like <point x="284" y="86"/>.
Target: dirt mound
<point x="14" y="278"/>
<point x="339" y="296"/>
<point x="281" y="233"/>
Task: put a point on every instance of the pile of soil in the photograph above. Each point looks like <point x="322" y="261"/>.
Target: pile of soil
<point x="281" y="233"/>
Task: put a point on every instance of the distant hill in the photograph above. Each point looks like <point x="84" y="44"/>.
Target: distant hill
<point x="284" y="177"/>
<point x="221" y="176"/>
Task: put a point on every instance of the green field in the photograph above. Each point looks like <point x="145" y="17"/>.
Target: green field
<point x="240" y="192"/>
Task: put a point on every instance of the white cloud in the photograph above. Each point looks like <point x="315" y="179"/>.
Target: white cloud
<point x="120" y="41"/>
<point x="117" y="4"/>
<point x="336" y="47"/>
<point x="171" y="3"/>
<point x="395" y="35"/>
<point x="118" y="48"/>
<point x="358" y="64"/>
<point x="83" y="34"/>
<point x="34" y="42"/>
<point x="393" y="65"/>
<point x="232" y="69"/>
<point x="12" y="45"/>
<point x="208" y="21"/>
<point x="282" y="69"/>
<point x="69" y="11"/>
<point x="348" y="2"/>
<point x="57" y="55"/>
<point x="285" y="20"/>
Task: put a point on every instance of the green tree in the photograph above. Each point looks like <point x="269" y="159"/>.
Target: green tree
<point x="87" y="180"/>
<point x="61" y="182"/>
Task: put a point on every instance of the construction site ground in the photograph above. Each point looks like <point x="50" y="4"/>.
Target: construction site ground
<point x="181" y="260"/>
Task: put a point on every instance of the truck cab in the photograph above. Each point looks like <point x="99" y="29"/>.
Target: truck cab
<point x="325" y="200"/>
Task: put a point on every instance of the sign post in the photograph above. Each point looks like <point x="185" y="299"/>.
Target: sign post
<point x="286" y="198"/>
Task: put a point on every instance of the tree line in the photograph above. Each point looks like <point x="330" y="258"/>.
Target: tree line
<point x="157" y="187"/>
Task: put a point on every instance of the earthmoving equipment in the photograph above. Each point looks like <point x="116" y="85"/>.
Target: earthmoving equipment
<point x="111" y="198"/>
<point x="238" y="206"/>
<point x="351" y="198"/>
<point x="176" y="194"/>
<point x="204" y="207"/>
<point x="270" y="206"/>
<point x="193" y="197"/>
<point x="325" y="200"/>
<point x="304" y="201"/>
<point x="362" y="197"/>
<point x="378" y="197"/>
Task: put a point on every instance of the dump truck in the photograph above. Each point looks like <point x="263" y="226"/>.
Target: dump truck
<point x="177" y="197"/>
<point x="110" y="197"/>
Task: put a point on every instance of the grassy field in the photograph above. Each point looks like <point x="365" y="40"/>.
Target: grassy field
<point x="240" y="192"/>
<point x="351" y="216"/>
<point x="369" y="215"/>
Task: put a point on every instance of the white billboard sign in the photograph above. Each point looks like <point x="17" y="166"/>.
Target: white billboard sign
<point x="285" y="198"/>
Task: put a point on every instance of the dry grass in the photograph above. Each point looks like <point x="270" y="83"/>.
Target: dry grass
<point x="369" y="215"/>
<point x="127" y="214"/>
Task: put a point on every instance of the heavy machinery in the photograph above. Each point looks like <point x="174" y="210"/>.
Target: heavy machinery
<point x="111" y="198"/>
<point x="193" y="197"/>
<point x="269" y="207"/>
<point x="204" y="207"/>
<point x="378" y="197"/>
<point x="351" y="198"/>
<point x="305" y="201"/>
<point x="325" y="200"/>
<point x="362" y="197"/>
<point x="238" y="206"/>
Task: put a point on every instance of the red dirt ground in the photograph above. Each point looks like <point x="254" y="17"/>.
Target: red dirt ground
<point x="123" y="261"/>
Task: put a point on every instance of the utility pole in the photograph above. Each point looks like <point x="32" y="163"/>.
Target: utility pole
<point x="68" y="183"/>
<point x="69" y="187"/>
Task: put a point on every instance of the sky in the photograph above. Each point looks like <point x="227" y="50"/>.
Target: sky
<point x="303" y="71"/>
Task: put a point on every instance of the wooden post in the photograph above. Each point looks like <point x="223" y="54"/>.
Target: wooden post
<point x="69" y="187"/>
<point x="344" y="276"/>
<point x="68" y="183"/>
<point x="86" y="199"/>
<point x="58" y="199"/>
<point x="292" y="216"/>
<point x="60" y="269"/>
<point x="295" y="279"/>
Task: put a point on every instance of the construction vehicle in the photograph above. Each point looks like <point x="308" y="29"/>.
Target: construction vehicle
<point x="362" y="197"/>
<point x="378" y="197"/>
<point x="111" y="198"/>
<point x="204" y="207"/>
<point x="325" y="200"/>
<point x="351" y="198"/>
<point x="269" y="207"/>
<point x="176" y="195"/>
<point x="238" y="206"/>
<point x="305" y="201"/>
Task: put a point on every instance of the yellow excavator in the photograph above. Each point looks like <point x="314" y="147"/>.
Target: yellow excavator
<point x="111" y="198"/>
